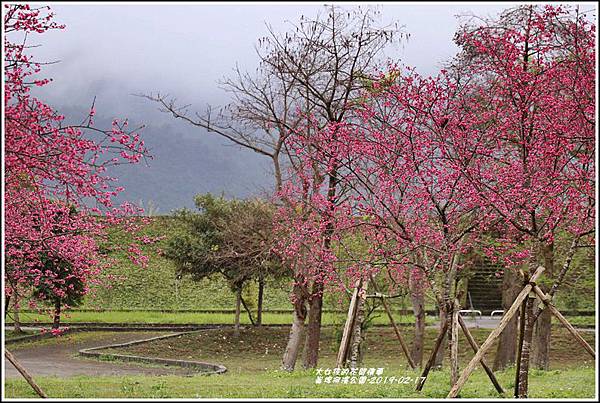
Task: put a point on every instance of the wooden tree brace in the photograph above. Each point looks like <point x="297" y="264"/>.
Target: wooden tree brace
<point x="436" y="347"/>
<point x="396" y="329"/>
<point x="454" y="341"/>
<point x="345" y="343"/>
<point x="495" y="333"/>
<point x="548" y="302"/>
<point x="475" y="347"/>
<point x="25" y="373"/>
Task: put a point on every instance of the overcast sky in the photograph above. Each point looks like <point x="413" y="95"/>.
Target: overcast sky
<point x="113" y="51"/>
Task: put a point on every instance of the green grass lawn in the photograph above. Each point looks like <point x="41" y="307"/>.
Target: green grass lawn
<point x="569" y="383"/>
<point x="270" y="318"/>
<point x="145" y="317"/>
<point x="253" y="370"/>
<point x="11" y="334"/>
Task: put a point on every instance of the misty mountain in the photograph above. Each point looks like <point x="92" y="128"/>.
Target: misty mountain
<point x="185" y="161"/>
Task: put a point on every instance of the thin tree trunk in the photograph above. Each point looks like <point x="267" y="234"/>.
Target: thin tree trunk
<point x="6" y="304"/>
<point x="526" y="350"/>
<point x="430" y="362"/>
<point x="292" y="349"/>
<point x="16" y="319"/>
<point x="507" y="345"/>
<point x="56" y="322"/>
<point x="520" y="345"/>
<point x="313" y="334"/>
<point x="441" y="352"/>
<point x="540" y="353"/>
<point x="248" y="311"/>
<point x="417" y="297"/>
<point x="259" y="303"/>
<point x="238" y="306"/>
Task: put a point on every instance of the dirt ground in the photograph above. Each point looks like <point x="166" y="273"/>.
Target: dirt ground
<point x="61" y="359"/>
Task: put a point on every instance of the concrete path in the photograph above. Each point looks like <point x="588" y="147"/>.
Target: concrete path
<point x="62" y="360"/>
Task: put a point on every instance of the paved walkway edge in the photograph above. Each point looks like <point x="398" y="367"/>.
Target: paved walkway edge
<point x="205" y="367"/>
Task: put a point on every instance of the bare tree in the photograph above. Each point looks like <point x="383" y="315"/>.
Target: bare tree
<point x="316" y="69"/>
<point x="326" y="60"/>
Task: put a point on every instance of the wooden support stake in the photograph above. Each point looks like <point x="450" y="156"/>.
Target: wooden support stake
<point x="438" y="343"/>
<point x="548" y="302"/>
<point x="345" y="343"/>
<point x="396" y="329"/>
<point x="454" y="343"/>
<point x="25" y="374"/>
<point x="398" y="335"/>
<point x="475" y="347"/>
<point x="494" y="335"/>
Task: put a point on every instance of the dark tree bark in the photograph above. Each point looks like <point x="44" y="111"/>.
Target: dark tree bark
<point x="248" y="311"/>
<point x="259" y="303"/>
<point x="439" y="357"/>
<point x="540" y="352"/>
<point x="507" y="345"/>
<point x="6" y="304"/>
<point x="238" y="308"/>
<point x="56" y="321"/>
<point x="313" y="334"/>
<point x="523" y="384"/>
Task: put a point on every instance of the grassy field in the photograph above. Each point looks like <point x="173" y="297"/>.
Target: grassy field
<point x="569" y="383"/>
<point x="200" y="318"/>
<point x="9" y="334"/>
<point x="127" y="286"/>
<point x="144" y="317"/>
<point x="253" y="360"/>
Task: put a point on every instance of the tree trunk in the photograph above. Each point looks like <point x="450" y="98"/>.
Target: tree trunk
<point x="526" y="350"/>
<point x="238" y="306"/>
<point x="248" y="311"/>
<point x="6" y="305"/>
<point x="439" y="357"/>
<point x="417" y="297"/>
<point x="292" y="349"/>
<point x="16" y="319"/>
<point x="259" y="303"/>
<point x="56" y="322"/>
<point x="540" y="353"/>
<point x="357" y="333"/>
<point x="313" y="334"/>
<point x="507" y="345"/>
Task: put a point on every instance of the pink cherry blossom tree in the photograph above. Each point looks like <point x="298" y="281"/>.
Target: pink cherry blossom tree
<point x="53" y="169"/>
<point x="530" y="130"/>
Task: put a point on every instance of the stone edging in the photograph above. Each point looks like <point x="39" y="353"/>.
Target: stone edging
<point x="206" y="367"/>
<point x="34" y="337"/>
